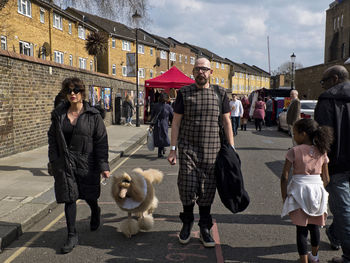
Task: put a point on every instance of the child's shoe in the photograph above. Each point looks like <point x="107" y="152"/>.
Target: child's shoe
<point x="312" y="258"/>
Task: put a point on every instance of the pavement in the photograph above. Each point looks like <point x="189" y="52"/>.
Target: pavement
<point x="26" y="189"/>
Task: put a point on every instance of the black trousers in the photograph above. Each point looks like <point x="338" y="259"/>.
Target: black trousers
<point x="258" y="124"/>
<point x="302" y="232"/>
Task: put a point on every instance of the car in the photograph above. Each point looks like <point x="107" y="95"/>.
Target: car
<point x="307" y="108"/>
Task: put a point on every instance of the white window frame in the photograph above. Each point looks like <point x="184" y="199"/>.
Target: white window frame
<point x="217" y="65"/>
<point x="163" y="54"/>
<point x="26" y="48"/>
<point x="113" y="42"/>
<point x="141" y="73"/>
<point x="151" y="73"/>
<point x="71" y="60"/>
<point x="162" y="72"/>
<point x="57" y="21"/>
<point x="126" y="45"/>
<point x="223" y="81"/>
<point x="341" y="20"/>
<point x="185" y="59"/>
<point x="151" y="51"/>
<point x="3" y="44"/>
<point x="180" y="58"/>
<point x="192" y="77"/>
<point x="140" y="49"/>
<point x="124" y="71"/>
<point x="217" y="80"/>
<point x="172" y="56"/>
<point x="81" y="32"/>
<point x="91" y="65"/>
<point x="42" y="15"/>
<point x="222" y="66"/>
<point x="192" y="60"/>
<point x="25" y="7"/>
<point x="70" y="28"/>
<point x="114" y="70"/>
<point x="82" y="63"/>
<point x="58" y="57"/>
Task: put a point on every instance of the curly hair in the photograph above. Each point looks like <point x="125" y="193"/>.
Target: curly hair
<point x="76" y="82"/>
<point x="321" y="136"/>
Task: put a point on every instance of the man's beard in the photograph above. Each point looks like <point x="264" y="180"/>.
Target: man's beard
<point x="201" y="81"/>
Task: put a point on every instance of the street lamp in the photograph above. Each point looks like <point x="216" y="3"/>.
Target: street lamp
<point x="292" y="58"/>
<point x="136" y="17"/>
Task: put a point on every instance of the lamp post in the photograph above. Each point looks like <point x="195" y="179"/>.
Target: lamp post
<point x="136" y="16"/>
<point x="292" y="58"/>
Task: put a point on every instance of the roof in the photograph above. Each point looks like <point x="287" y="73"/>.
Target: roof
<point x="262" y="71"/>
<point x="173" y="78"/>
<point x="207" y="53"/>
<point x="148" y="39"/>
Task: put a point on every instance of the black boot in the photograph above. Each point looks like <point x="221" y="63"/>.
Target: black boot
<point x="205" y="224"/>
<point x="245" y="127"/>
<point x="71" y="242"/>
<point x="95" y="219"/>
<point x="185" y="233"/>
<point x="241" y="127"/>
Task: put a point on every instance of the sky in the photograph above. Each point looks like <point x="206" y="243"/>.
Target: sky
<point x="238" y="30"/>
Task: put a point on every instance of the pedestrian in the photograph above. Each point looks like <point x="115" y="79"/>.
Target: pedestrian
<point x="128" y="109"/>
<point x="305" y="198"/>
<point x="268" y="112"/>
<point x="246" y="109"/>
<point x="162" y="113"/>
<point x="259" y="113"/>
<point x="78" y="155"/>
<point x="195" y="129"/>
<point x="293" y="112"/>
<point x="333" y="109"/>
<point x="236" y="113"/>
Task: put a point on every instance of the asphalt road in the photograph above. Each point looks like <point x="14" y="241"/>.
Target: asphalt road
<point x="256" y="235"/>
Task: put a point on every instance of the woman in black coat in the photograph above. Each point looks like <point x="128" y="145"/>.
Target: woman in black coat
<point x="78" y="155"/>
<point x="128" y="110"/>
<point x="161" y="113"/>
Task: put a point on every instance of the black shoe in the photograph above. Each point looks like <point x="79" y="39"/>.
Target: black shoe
<point x="164" y="150"/>
<point x="332" y="240"/>
<point x="95" y="220"/>
<point x="185" y="233"/>
<point x="206" y="238"/>
<point x="71" y="242"/>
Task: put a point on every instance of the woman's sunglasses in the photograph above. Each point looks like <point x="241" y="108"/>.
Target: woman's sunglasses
<point x="75" y="90"/>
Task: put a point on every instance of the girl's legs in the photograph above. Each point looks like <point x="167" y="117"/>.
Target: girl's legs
<point x="260" y="124"/>
<point x="95" y="214"/>
<point x="160" y="151"/>
<point x="315" y="238"/>
<point x="302" y="232"/>
<point x="70" y="210"/>
<point x="256" y="124"/>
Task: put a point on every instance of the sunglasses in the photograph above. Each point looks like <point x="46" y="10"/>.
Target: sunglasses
<point x="322" y="81"/>
<point x="75" y="90"/>
<point x="203" y="69"/>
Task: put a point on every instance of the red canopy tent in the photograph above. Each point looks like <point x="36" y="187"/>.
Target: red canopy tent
<point x="173" y="78"/>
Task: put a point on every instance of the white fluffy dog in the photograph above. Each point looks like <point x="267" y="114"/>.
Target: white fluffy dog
<point x="135" y="194"/>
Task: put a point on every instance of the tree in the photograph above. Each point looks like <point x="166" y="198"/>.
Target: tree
<point x="96" y="44"/>
<point x="286" y="67"/>
<point x="5" y="17"/>
<point x="116" y="10"/>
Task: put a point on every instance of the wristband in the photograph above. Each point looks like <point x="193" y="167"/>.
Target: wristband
<point x="173" y="148"/>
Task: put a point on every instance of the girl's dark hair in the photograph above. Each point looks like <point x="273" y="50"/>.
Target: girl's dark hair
<point x="259" y="98"/>
<point x="76" y="82"/>
<point x="321" y="136"/>
<point x="163" y="98"/>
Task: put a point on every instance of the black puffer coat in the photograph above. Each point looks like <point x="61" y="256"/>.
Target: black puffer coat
<point x="77" y="167"/>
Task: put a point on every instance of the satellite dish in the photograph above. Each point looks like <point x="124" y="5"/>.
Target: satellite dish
<point x="46" y="49"/>
<point x="158" y="62"/>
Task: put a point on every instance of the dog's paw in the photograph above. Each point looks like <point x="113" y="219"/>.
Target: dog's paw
<point x="146" y="222"/>
<point x="129" y="227"/>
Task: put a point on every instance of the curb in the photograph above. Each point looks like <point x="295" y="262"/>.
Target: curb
<point x="10" y="232"/>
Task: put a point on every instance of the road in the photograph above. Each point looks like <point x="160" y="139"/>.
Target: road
<point x="256" y="235"/>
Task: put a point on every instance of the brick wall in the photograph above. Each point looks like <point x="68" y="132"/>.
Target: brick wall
<point x="27" y="93"/>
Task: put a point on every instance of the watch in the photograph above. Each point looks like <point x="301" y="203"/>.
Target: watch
<point x="172" y="148"/>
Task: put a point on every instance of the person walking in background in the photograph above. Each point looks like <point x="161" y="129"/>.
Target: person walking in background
<point x="259" y="113"/>
<point x="236" y="113"/>
<point x="333" y="110"/>
<point x="162" y="113"/>
<point x="305" y="198"/>
<point x="268" y="112"/>
<point x="78" y="155"/>
<point x="293" y="112"/>
<point x="246" y="108"/>
<point x="128" y="110"/>
<point x="195" y="128"/>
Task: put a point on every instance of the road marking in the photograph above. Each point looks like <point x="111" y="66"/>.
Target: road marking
<point x="19" y="251"/>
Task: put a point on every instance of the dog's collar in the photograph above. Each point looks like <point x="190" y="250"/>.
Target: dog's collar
<point x="130" y="204"/>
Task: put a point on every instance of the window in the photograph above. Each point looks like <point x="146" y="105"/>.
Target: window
<point x="335" y="24"/>
<point x="341" y="20"/>
<point x="180" y="58"/>
<point x="222" y="66"/>
<point x="42" y="15"/>
<point x="141" y="72"/>
<point x="141" y="49"/>
<point x="113" y="42"/>
<point x="343" y="50"/>
<point x="91" y="66"/>
<point x="114" y="69"/>
<point x="25" y="7"/>
<point x="192" y="60"/>
<point x="81" y="32"/>
<point x="57" y="21"/>
<point x="58" y="57"/>
<point x="163" y="54"/>
<point x="223" y="81"/>
<point x="3" y="43"/>
<point x="124" y="71"/>
<point x="82" y="63"/>
<point x="192" y="77"/>
<point x="185" y="59"/>
<point x="25" y="48"/>
<point x="71" y="60"/>
<point x="338" y="22"/>
<point x="126" y="45"/>
<point x="69" y="28"/>
<point x="172" y="56"/>
<point x="217" y="65"/>
<point x="151" y="73"/>
<point x="151" y="51"/>
<point x="240" y="75"/>
<point x="217" y="80"/>
<point x="161" y="72"/>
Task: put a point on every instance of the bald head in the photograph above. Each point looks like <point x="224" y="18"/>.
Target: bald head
<point x="202" y="61"/>
<point x="294" y="94"/>
<point x="333" y="76"/>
